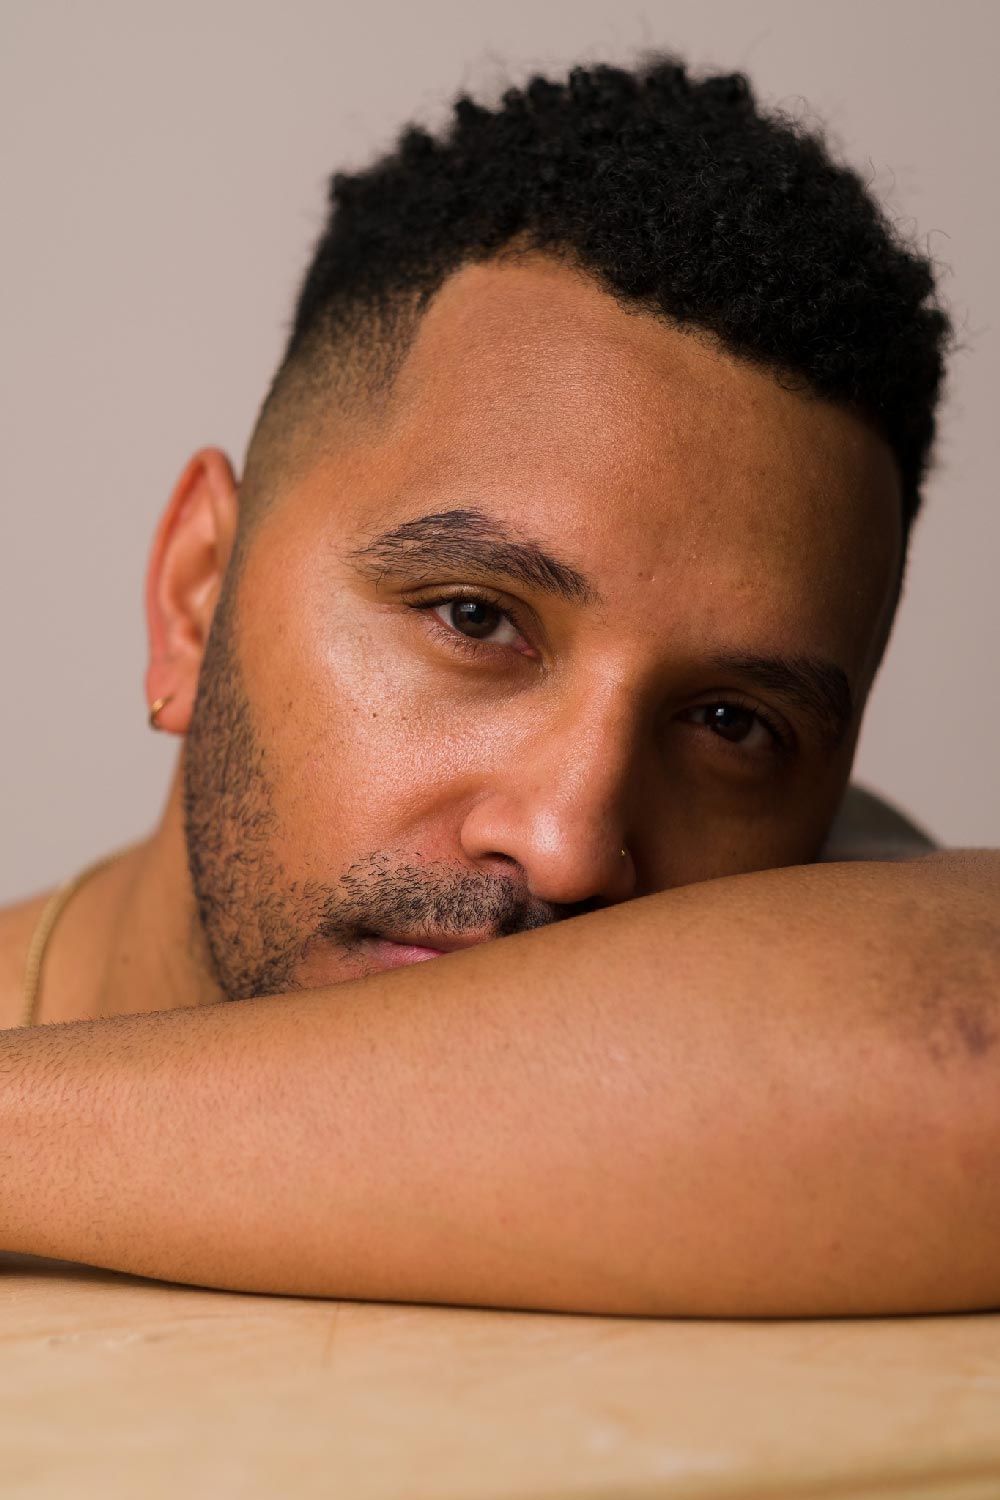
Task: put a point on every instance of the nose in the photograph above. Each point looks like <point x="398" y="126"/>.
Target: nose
<point x="560" y="809"/>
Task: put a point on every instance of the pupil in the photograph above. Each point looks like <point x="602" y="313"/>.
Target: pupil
<point x="730" y="722"/>
<point x="473" y="618"/>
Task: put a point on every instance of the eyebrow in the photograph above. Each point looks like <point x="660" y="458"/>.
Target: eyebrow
<point x="469" y="541"/>
<point x="818" y="688"/>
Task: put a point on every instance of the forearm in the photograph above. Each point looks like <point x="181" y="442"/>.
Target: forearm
<point x="774" y="1094"/>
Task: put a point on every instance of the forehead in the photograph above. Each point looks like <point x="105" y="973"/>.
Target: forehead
<point x="647" y="452"/>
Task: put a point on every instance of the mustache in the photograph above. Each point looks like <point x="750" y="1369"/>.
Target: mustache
<point x="377" y="895"/>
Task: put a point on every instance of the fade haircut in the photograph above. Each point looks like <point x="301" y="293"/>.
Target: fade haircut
<point x="680" y="196"/>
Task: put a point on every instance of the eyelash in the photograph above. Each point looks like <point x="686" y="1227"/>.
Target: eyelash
<point x="782" y="741"/>
<point x="465" y="646"/>
<point x="781" y="737"/>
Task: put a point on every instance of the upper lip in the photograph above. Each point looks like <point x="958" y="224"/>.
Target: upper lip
<point x="449" y="944"/>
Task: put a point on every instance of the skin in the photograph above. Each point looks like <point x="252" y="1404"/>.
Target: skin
<point x="495" y="782"/>
<point x="709" y="1033"/>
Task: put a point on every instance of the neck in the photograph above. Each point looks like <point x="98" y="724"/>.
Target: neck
<point x="129" y="940"/>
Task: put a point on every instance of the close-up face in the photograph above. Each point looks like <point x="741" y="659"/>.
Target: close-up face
<point x="588" y="611"/>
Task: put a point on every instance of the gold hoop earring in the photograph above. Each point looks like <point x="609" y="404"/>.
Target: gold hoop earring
<point x="623" y="854"/>
<point x="157" y="708"/>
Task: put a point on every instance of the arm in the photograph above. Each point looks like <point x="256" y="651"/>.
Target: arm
<point x="772" y="1094"/>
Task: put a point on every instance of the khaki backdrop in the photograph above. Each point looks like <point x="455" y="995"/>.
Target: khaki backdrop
<point x="163" y="181"/>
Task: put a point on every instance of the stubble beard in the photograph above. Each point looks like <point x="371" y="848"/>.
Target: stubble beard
<point x="257" y="922"/>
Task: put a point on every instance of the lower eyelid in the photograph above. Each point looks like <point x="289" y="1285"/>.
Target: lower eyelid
<point x="503" y="616"/>
<point x="464" y="645"/>
<point x="779" y="739"/>
<point x="430" y="606"/>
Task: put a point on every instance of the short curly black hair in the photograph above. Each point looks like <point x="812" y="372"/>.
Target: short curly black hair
<point x="678" y="194"/>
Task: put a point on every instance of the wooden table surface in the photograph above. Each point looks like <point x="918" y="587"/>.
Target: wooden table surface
<point x="112" y="1386"/>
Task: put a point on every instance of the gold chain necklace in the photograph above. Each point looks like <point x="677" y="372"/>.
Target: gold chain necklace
<point x="51" y="912"/>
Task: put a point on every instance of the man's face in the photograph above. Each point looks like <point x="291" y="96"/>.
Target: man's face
<point x="586" y="586"/>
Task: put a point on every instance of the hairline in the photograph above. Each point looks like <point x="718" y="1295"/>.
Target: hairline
<point x="344" y="374"/>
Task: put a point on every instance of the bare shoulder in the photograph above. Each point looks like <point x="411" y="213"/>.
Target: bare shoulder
<point x="869" y="828"/>
<point x="17" y="923"/>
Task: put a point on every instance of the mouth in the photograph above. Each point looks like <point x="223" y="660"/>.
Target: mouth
<point x="394" y="953"/>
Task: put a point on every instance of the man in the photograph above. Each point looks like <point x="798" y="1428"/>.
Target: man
<point x="566" y="550"/>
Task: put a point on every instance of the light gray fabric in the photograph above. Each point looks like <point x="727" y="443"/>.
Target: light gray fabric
<point x="866" y="827"/>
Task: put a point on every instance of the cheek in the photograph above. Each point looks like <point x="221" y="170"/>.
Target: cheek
<point x="701" y="826"/>
<point x="366" y="745"/>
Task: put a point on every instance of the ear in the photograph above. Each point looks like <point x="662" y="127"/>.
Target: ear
<point x="193" y="545"/>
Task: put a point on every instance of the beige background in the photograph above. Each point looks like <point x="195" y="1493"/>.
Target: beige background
<point x="163" y="181"/>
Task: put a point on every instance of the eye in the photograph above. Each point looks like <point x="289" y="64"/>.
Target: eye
<point x="738" y="725"/>
<point x="478" y="620"/>
<point x="476" y="624"/>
